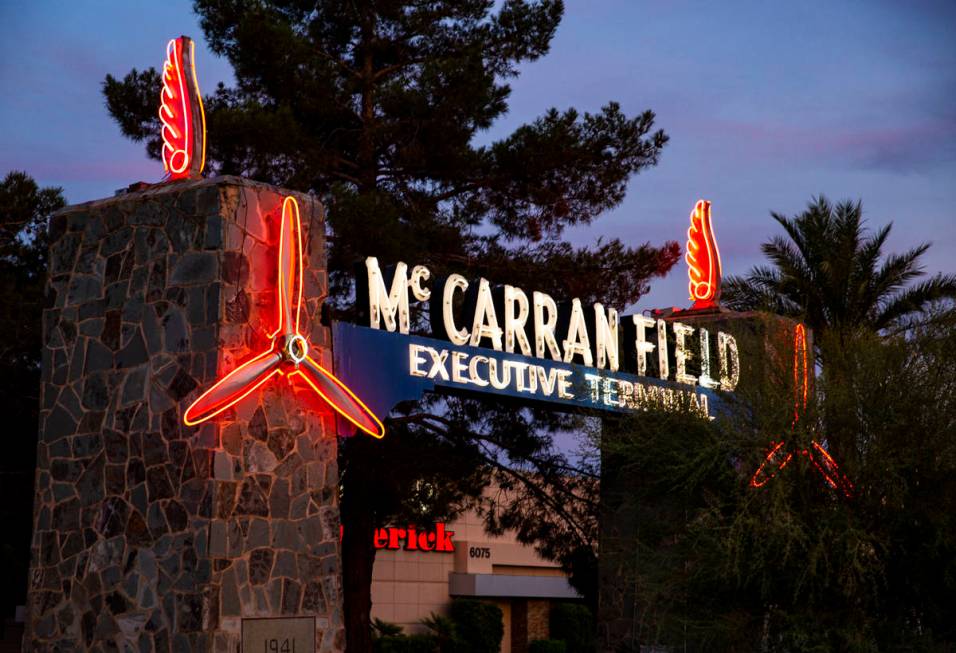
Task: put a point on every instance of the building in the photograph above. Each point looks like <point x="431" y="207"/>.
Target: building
<point x="409" y="585"/>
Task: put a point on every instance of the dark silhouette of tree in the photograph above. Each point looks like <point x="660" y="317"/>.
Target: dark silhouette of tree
<point x="832" y="273"/>
<point x="382" y="108"/>
<point x="25" y="210"/>
<point x="713" y="564"/>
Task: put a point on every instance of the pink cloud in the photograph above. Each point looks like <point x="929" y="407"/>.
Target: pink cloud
<point x="901" y="147"/>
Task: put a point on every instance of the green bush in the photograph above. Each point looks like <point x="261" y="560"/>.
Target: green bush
<point x="547" y="646"/>
<point x="442" y="629"/>
<point x="573" y="624"/>
<point x="382" y="628"/>
<point x="479" y="626"/>
<point x="405" y="644"/>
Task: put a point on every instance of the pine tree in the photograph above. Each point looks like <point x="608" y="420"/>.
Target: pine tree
<point x="25" y="210"/>
<point x="380" y="107"/>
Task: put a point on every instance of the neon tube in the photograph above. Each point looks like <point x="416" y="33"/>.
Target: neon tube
<point x="183" y="128"/>
<point x="702" y="258"/>
<point x="288" y="354"/>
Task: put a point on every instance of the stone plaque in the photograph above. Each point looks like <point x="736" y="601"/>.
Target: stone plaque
<point x="280" y="635"/>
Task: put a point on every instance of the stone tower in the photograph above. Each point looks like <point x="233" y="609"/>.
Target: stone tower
<point x="150" y="535"/>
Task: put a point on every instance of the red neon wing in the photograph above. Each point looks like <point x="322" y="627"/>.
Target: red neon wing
<point x="702" y="257"/>
<point x="339" y="397"/>
<point x="233" y="387"/>
<point x="181" y="113"/>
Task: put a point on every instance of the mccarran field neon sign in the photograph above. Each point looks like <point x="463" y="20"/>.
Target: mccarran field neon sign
<point x="481" y="320"/>
<point x="488" y="338"/>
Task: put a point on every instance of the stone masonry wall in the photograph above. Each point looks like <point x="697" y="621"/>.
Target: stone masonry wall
<point x="150" y="535"/>
<point x="765" y="344"/>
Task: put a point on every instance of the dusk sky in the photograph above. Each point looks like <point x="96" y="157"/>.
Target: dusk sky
<point x="766" y="104"/>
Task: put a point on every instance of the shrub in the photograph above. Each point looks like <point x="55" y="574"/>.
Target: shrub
<point x="479" y="626"/>
<point x="547" y="646"/>
<point x="382" y="628"/>
<point x="574" y="624"/>
<point x="442" y="629"/>
<point x="405" y="644"/>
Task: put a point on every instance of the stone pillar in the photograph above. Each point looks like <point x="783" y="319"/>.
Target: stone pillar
<point x="150" y="535"/>
<point x="765" y="346"/>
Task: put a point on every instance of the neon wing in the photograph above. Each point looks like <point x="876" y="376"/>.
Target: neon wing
<point x="181" y="112"/>
<point x="702" y="258"/>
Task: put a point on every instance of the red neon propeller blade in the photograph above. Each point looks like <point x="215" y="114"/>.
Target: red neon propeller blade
<point x="339" y="397"/>
<point x="290" y="268"/>
<point x="776" y="460"/>
<point x="292" y="346"/>
<point x="829" y="469"/>
<point x="233" y="387"/>
<point x="801" y="374"/>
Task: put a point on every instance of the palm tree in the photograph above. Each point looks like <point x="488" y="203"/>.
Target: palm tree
<point x="831" y="273"/>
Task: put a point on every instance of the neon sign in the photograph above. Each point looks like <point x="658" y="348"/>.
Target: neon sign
<point x="779" y="457"/>
<point x="181" y="112"/>
<point x="703" y="258"/>
<point x="565" y="333"/>
<point x="410" y="539"/>
<point x="289" y="353"/>
<point x="502" y="340"/>
<point x="437" y="540"/>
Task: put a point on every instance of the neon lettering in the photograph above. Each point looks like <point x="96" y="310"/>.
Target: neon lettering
<point x="681" y="353"/>
<point x="605" y="338"/>
<point x="485" y="324"/>
<point x="452" y="283"/>
<point x="515" y="322"/>
<point x="388" y="305"/>
<point x="545" y="321"/>
<point x="577" y="342"/>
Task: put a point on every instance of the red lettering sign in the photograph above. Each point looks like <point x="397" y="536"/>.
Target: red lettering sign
<point x="436" y="540"/>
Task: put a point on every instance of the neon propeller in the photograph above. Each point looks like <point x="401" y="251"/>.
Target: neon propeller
<point x="779" y="455"/>
<point x="289" y="353"/>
